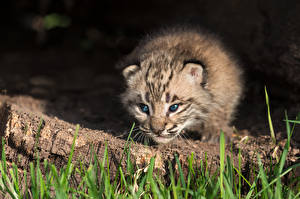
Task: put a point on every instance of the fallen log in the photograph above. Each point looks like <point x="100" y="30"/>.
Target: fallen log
<point x="26" y="132"/>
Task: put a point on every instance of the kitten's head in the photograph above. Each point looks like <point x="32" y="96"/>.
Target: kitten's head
<point x="166" y="96"/>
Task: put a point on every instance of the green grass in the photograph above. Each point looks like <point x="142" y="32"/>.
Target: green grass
<point x="272" y="133"/>
<point x="132" y="182"/>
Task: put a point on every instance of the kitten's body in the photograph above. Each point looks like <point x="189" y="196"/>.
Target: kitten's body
<point x="184" y="67"/>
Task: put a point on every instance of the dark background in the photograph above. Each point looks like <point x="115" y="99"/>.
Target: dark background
<point x="69" y="72"/>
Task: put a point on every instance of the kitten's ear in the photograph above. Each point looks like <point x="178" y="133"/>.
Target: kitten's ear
<point x="194" y="72"/>
<point x="130" y="70"/>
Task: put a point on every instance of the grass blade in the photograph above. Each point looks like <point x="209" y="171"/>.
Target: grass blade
<point x="69" y="166"/>
<point x="252" y="188"/>
<point x="275" y="180"/>
<point x="91" y="182"/>
<point x="222" y="162"/>
<point x="228" y="188"/>
<point x="269" y="117"/>
<point x="172" y="181"/>
<point x="180" y="172"/>
<point x="266" y="191"/>
<point x="124" y="151"/>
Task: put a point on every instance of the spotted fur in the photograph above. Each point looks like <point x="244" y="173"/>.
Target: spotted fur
<point x="187" y="67"/>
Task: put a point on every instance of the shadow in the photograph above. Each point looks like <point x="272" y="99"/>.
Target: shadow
<point x="74" y="74"/>
<point x="4" y="116"/>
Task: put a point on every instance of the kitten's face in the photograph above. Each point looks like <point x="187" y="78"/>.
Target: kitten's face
<point x="165" y="101"/>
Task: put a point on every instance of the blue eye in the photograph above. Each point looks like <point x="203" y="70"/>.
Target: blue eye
<point x="173" y="107"/>
<point x="144" y="108"/>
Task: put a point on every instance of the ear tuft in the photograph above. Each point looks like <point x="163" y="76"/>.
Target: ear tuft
<point x="194" y="72"/>
<point x="130" y="70"/>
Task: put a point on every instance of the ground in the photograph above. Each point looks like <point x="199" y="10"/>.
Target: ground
<point x="69" y="76"/>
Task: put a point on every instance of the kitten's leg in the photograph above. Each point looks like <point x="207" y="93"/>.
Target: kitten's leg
<point x="217" y="121"/>
<point x="211" y="134"/>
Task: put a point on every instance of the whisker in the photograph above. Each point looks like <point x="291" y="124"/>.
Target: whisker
<point x="144" y="138"/>
<point x="185" y="135"/>
<point x="185" y="138"/>
<point x="147" y="140"/>
<point x="141" y="138"/>
<point x="135" y="130"/>
<point x="136" y="136"/>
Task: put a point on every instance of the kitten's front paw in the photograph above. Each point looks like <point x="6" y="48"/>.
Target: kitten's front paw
<point x="213" y="137"/>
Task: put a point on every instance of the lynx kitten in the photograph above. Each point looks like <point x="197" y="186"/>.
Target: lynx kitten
<point x="182" y="79"/>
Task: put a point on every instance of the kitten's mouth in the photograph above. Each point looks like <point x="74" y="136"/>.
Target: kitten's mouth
<point x="163" y="139"/>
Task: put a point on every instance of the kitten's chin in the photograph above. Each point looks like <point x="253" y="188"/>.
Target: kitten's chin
<point x="163" y="140"/>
